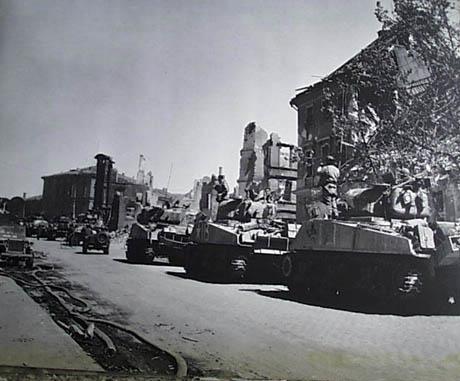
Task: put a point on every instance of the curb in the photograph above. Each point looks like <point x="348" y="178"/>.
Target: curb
<point x="180" y="361"/>
<point x="181" y="371"/>
<point x="18" y="373"/>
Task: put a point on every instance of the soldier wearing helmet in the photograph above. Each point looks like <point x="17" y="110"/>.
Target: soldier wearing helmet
<point x="329" y="175"/>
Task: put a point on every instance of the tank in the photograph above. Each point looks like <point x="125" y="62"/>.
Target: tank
<point x="159" y="232"/>
<point x="386" y="243"/>
<point x="245" y="241"/>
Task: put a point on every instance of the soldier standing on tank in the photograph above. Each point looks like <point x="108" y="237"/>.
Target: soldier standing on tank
<point x="328" y="178"/>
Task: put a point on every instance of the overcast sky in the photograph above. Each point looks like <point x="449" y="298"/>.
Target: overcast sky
<point x="176" y="81"/>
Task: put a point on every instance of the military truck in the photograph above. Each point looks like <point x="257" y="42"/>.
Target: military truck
<point x="386" y="244"/>
<point x="245" y="241"/>
<point x="14" y="247"/>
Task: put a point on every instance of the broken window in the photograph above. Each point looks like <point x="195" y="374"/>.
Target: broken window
<point x="309" y="163"/>
<point x="309" y="123"/>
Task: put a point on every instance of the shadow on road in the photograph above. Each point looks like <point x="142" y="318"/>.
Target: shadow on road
<point x="154" y="263"/>
<point x="214" y="280"/>
<point x="366" y="305"/>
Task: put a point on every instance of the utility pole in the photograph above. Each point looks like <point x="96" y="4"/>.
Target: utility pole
<point x="74" y="200"/>
<point x="169" y="178"/>
<point x="24" y="195"/>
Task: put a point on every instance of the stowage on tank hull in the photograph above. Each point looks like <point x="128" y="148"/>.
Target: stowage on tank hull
<point x="141" y="244"/>
<point x="378" y="258"/>
<point x="215" y="251"/>
<point x="227" y="253"/>
<point x="172" y="244"/>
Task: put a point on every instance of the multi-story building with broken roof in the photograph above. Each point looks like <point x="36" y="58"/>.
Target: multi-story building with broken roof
<point x="315" y="126"/>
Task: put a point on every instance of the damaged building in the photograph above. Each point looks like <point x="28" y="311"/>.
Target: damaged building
<point x="315" y="128"/>
<point x="268" y="165"/>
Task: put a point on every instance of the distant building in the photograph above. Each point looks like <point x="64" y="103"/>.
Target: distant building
<point x="196" y="193"/>
<point x="69" y="193"/>
<point x="16" y="206"/>
<point x="73" y="192"/>
<point x="33" y="205"/>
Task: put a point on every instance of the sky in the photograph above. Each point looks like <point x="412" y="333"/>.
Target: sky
<point x="174" y="80"/>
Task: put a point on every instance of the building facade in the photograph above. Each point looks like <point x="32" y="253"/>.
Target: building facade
<point x="69" y="193"/>
<point x="73" y="192"/>
<point x="315" y="127"/>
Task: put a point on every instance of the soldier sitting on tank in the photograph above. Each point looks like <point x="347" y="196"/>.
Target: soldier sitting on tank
<point x="221" y="188"/>
<point x="328" y="178"/>
<point x="410" y="201"/>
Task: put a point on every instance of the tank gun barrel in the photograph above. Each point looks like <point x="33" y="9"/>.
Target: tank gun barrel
<point x="410" y="180"/>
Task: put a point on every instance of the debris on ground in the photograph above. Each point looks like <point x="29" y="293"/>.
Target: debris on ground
<point x="110" y="344"/>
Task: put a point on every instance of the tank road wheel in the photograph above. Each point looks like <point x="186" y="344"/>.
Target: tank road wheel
<point x="294" y="274"/>
<point x="286" y="266"/>
<point x="407" y="289"/>
<point x="409" y="283"/>
<point x="238" y="268"/>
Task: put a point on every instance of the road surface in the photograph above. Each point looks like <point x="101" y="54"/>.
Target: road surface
<point x="256" y="331"/>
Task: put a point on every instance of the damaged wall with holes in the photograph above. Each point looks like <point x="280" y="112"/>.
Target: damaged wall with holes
<point x="268" y="166"/>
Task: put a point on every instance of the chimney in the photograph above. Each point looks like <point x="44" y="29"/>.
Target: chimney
<point x="103" y="168"/>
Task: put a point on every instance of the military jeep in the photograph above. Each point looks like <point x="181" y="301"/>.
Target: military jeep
<point x="14" y="248"/>
<point x="95" y="238"/>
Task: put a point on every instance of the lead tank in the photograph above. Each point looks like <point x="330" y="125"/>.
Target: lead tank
<point x="386" y="244"/>
<point x="244" y="241"/>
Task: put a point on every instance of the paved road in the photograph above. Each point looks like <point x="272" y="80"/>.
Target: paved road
<point x="255" y="331"/>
